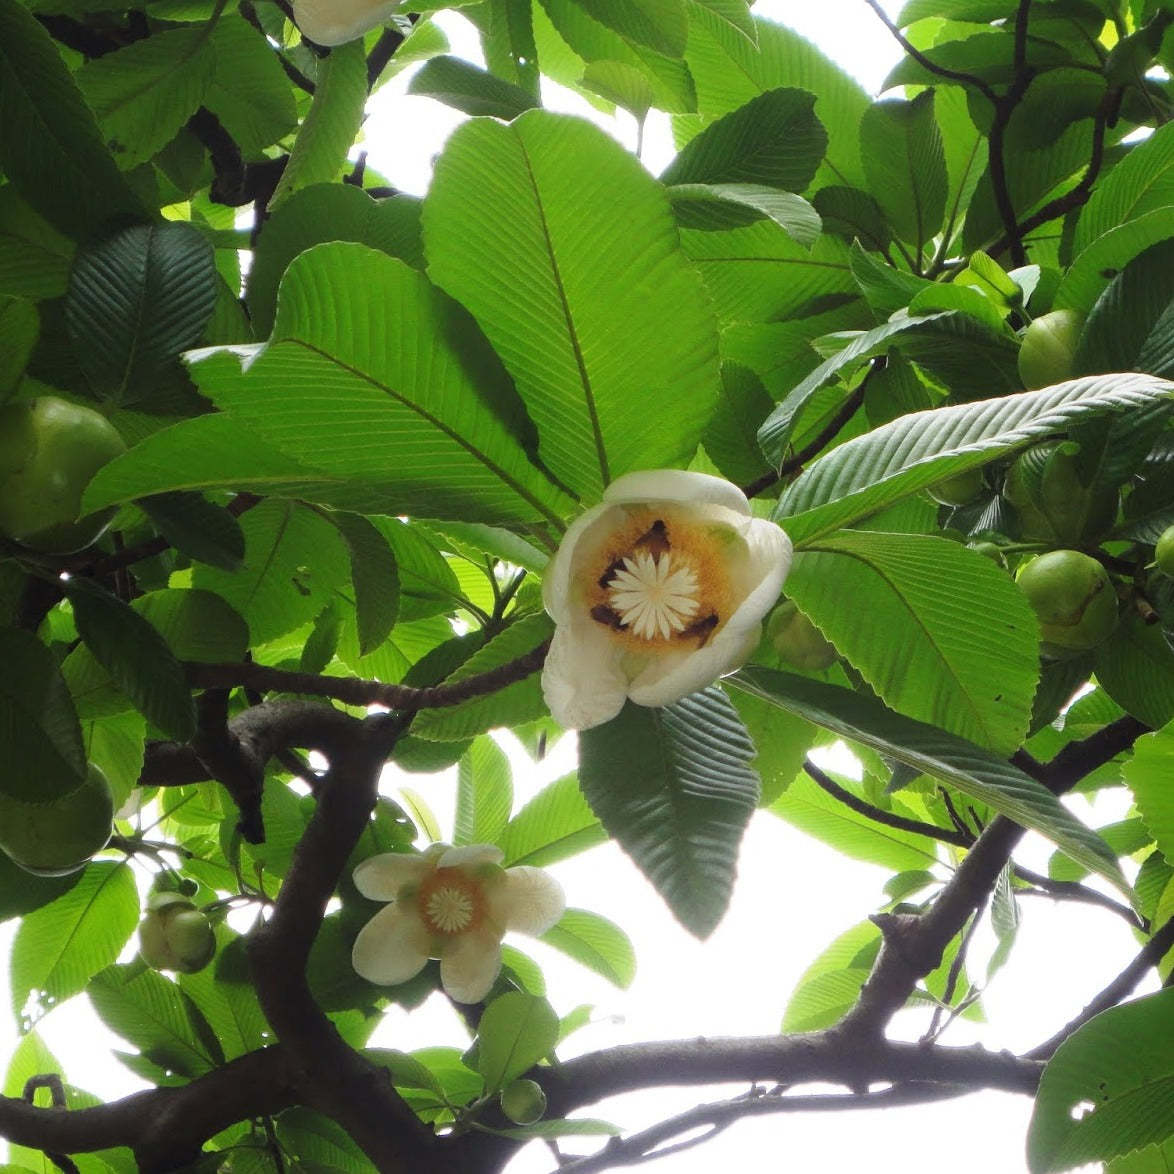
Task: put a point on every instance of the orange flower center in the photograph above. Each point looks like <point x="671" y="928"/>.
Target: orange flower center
<point x="451" y="902"/>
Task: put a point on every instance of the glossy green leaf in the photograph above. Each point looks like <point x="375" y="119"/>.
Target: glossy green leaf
<point x="22" y="891"/>
<point x="905" y="166"/>
<point x="136" y="656"/>
<point x="728" y="205"/>
<point x="197" y="625"/>
<point x="134" y="302"/>
<point x="52" y="151"/>
<point x="1108" y="1090"/>
<point x="565" y="251"/>
<point x="864" y="475"/>
<point x="485" y="793"/>
<point x="144" y="92"/>
<point x="555" y="824"/>
<point x="60" y="947"/>
<point x="374" y="576"/>
<point x="330" y="126"/>
<point x="974" y="771"/>
<point x="1135" y="667"/>
<point x="467" y="88"/>
<point x="597" y="943"/>
<point x="200" y="528"/>
<point x="674" y="788"/>
<point x="658" y="24"/>
<point x="1147" y="773"/>
<point x="39" y="729"/>
<point x="831" y="984"/>
<point x="514" y="1033"/>
<point x="939" y="632"/>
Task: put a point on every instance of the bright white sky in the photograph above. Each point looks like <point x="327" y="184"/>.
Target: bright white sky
<point x="793" y="895"/>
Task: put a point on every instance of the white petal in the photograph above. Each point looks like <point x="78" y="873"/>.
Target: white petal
<point x="469" y="967"/>
<point x="381" y="877"/>
<point x="391" y="948"/>
<point x="556" y="579"/>
<point x="769" y="556"/>
<point x="470" y="856"/>
<point x="582" y="680"/>
<point x="528" y="900"/>
<point x="666" y="679"/>
<point x="676" y="485"/>
<point x="332" y="22"/>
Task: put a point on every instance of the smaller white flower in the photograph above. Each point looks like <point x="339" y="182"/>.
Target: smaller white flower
<point x="656" y="592"/>
<point x="454" y="904"/>
<point x="334" y="22"/>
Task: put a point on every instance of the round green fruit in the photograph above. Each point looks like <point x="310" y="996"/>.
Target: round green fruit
<point x="523" y="1102"/>
<point x="1164" y="552"/>
<point x="797" y="641"/>
<point x="1051" y="503"/>
<point x="175" y="935"/>
<point x="58" y="837"/>
<point x="1048" y="352"/>
<point x="961" y="489"/>
<point x="1074" y="599"/>
<point x="49" y="451"/>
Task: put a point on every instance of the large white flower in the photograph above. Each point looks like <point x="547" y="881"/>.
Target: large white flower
<point x="333" y="22"/>
<point x="454" y="904"/>
<point x="656" y="592"/>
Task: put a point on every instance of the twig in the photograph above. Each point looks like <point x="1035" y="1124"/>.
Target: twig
<point x="1120" y="988"/>
<point x="1045" y="886"/>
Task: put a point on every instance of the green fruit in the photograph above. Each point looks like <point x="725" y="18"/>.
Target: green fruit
<point x="1048" y="352"/>
<point x="797" y="641"/>
<point x="523" y="1102"/>
<point x="1074" y="599"/>
<point x="175" y="935"/>
<point x="1164" y="552"/>
<point x="49" y="451"/>
<point x="58" y="837"/>
<point x="961" y="489"/>
<point x="1050" y="501"/>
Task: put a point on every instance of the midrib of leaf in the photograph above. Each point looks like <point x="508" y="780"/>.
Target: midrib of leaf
<point x="136" y="335"/>
<point x="946" y="668"/>
<point x="260" y="578"/>
<point x="440" y="426"/>
<point x="588" y="392"/>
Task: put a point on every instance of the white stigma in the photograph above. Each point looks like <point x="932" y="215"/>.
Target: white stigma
<point x="651" y="597"/>
<point x="450" y="910"/>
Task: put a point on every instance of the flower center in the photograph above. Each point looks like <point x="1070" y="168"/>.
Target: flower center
<point x="654" y="595"/>
<point x="450" y="902"/>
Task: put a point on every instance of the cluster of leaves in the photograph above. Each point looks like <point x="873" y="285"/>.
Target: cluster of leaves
<point x="350" y="458"/>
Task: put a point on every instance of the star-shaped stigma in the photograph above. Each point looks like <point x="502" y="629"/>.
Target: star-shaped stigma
<point x="651" y="597"/>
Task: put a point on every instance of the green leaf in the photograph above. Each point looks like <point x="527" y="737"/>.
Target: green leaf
<point x="467" y="88"/>
<point x="199" y="528"/>
<point x="730" y="69"/>
<point x="1147" y="774"/>
<point x="831" y="984"/>
<point x="136" y="656"/>
<point x="1109" y="1088"/>
<point x="135" y="301"/>
<point x="19" y="326"/>
<point x="321" y="1144"/>
<point x="197" y="625"/>
<point x="731" y="439"/>
<point x="39" y="729"/>
<point x="729" y="205"/>
<point x="331" y="125"/>
<point x="597" y="943"/>
<point x="22" y="891"/>
<point x="485" y="793"/>
<point x="146" y="91"/>
<point x="250" y="94"/>
<point x="674" y="788"/>
<point x="939" y="631"/>
<point x="555" y="824"/>
<point x="569" y="259"/>
<point x="773" y="140"/>
<point x="977" y="773"/>
<point x="1135" y="667"/>
<point x="947" y="340"/>
<point x="51" y="150"/>
<point x="60" y="947"/>
<point x="517" y="702"/>
<point x="374" y="576"/>
<point x="375" y="377"/>
<point x="906" y="167"/>
<point x="808" y="807"/>
<point x="515" y="1032"/>
<point x="623" y="84"/>
<point x="896" y="460"/>
<point x="658" y="24"/>
<point x="155" y="1016"/>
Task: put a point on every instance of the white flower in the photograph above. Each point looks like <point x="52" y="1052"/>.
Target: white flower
<point x="454" y="904"/>
<point x="333" y="22"/>
<point x="656" y="592"/>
